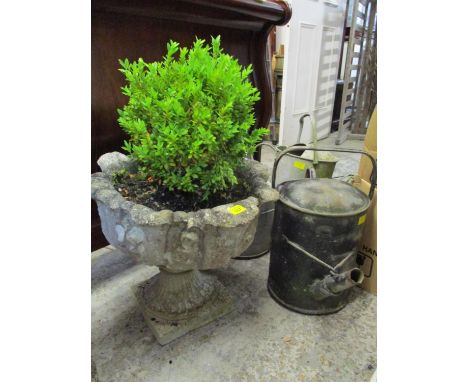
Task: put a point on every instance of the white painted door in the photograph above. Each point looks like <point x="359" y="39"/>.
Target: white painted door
<point x="312" y="42"/>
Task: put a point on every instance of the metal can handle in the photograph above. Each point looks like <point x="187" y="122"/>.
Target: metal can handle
<point x="301" y="126"/>
<point x="274" y="148"/>
<point x="373" y="177"/>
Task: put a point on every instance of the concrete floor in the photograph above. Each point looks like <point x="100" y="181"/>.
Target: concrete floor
<point x="329" y="141"/>
<point x="259" y="341"/>
<point x="348" y="163"/>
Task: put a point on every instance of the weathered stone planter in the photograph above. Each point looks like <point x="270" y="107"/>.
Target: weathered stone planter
<point x="182" y="296"/>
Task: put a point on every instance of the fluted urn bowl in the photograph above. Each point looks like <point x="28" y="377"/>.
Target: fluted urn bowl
<point x="181" y="297"/>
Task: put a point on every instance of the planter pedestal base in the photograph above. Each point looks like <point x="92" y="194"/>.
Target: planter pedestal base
<point x="167" y="326"/>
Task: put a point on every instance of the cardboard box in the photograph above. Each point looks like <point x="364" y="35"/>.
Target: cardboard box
<point x="370" y="146"/>
<point x="367" y="252"/>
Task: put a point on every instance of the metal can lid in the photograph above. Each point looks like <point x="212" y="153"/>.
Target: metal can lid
<point x="323" y="196"/>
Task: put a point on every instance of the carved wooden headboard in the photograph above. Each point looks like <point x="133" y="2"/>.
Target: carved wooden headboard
<point x="141" y="28"/>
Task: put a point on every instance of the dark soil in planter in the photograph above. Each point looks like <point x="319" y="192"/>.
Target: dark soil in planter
<point x="153" y="195"/>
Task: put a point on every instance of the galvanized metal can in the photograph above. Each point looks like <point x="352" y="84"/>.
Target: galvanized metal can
<point x="317" y="227"/>
<point x="262" y="240"/>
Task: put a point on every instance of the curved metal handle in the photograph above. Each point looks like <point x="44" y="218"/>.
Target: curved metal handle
<point x="373" y="177"/>
<point x="274" y="148"/>
<point x="301" y="126"/>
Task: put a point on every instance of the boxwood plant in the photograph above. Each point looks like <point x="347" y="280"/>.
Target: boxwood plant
<point x="189" y="117"/>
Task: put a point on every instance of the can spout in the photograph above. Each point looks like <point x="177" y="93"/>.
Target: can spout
<point x="334" y="284"/>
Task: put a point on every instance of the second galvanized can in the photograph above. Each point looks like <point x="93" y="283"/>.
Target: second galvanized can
<point x="262" y="239"/>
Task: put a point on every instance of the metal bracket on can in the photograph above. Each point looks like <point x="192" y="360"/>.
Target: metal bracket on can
<point x="333" y="269"/>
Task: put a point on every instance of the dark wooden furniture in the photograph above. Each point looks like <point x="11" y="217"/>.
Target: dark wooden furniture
<point x="141" y="28"/>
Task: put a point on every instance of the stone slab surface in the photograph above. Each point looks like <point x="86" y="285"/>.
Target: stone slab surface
<point x="166" y="332"/>
<point x="258" y="341"/>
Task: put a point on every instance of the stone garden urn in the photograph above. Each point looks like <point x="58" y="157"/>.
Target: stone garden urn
<point x="182" y="296"/>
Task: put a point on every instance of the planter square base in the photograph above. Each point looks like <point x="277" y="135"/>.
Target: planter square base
<point x="167" y="331"/>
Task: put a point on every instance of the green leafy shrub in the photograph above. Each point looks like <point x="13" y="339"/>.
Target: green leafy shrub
<point x="188" y="117"/>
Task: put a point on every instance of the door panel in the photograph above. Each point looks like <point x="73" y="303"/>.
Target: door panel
<point x="312" y="53"/>
<point x="303" y="88"/>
